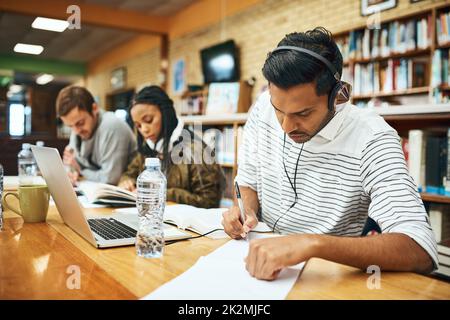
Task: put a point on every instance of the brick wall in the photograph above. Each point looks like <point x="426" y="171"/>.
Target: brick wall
<point x="256" y="31"/>
<point x="259" y="29"/>
<point x="141" y="70"/>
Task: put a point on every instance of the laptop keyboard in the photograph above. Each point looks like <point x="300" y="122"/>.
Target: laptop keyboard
<point x="111" y="229"/>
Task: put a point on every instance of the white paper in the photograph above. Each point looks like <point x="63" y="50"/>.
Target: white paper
<point x="222" y="276"/>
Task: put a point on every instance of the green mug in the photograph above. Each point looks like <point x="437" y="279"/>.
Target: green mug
<point x="33" y="202"/>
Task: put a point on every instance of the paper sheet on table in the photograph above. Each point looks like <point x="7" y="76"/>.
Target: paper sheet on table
<point x="221" y="275"/>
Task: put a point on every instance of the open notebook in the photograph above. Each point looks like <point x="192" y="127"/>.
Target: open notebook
<point x="195" y="219"/>
<point x="101" y="193"/>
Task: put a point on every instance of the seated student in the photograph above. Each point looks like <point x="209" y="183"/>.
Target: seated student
<point x="315" y="169"/>
<point x="101" y="145"/>
<point x="160" y="134"/>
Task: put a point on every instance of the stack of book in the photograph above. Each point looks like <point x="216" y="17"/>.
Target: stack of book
<point x="429" y="160"/>
<point x="444" y="258"/>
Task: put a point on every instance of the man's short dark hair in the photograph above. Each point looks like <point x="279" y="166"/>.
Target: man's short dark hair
<point x="289" y="68"/>
<point x="72" y="97"/>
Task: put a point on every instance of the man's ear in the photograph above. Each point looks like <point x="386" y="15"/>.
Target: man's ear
<point x="94" y="109"/>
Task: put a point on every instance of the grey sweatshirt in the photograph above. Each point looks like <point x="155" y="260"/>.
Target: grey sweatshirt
<point x="105" y="156"/>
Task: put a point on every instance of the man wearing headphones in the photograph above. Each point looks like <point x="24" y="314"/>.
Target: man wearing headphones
<point x="314" y="168"/>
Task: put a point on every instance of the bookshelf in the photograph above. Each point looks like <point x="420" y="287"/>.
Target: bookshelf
<point x="399" y="60"/>
<point x="412" y="106"/>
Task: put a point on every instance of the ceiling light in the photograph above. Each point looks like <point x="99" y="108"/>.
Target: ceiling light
<point x="44" y="79"/>
<point x="50" y="24"/>
<point x="28" y="48"/>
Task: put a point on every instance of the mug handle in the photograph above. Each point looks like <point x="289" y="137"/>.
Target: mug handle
<point x="10" y="207"/>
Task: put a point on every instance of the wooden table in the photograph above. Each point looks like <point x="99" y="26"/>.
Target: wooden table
<point x="36" y="262"/>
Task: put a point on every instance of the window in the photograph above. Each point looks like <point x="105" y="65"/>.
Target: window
<point x="16" y="119"/>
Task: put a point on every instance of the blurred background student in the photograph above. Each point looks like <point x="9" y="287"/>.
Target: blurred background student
<point x="159" y="133"/>
<point x="101" y="145"/>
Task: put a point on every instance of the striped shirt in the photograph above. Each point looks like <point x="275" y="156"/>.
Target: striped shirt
<point x="353" y="168"/>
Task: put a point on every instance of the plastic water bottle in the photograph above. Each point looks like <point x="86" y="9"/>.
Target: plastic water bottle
<point x="26" y="165"/>
<point x="1" y="197"/>
<point x="151" y="202"/>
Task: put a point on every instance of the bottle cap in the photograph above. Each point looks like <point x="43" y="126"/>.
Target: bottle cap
<point x="152" y="162"/>
<point x="26" y="146"/>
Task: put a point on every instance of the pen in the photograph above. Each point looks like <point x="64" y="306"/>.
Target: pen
<point x="241" y="205"/>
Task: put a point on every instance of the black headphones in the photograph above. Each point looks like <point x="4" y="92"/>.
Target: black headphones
<point x="340" y="90"/>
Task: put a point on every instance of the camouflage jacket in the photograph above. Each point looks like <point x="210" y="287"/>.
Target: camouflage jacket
<point x="200" y="185"/>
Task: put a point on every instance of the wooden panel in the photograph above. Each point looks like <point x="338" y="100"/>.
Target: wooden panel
<point x="43" y="109"/>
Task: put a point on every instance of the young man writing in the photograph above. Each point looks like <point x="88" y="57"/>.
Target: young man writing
<point x="314" y="170"/>
<point x="101" y="145"/>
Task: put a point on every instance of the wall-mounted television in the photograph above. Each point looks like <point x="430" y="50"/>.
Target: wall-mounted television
<point x="220" y="63"/>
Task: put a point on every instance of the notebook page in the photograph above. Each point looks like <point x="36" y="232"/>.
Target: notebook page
<point x="202" y="281"/>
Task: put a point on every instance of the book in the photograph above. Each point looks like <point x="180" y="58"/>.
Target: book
<point x="440" y="221"/>
<point x="416" y="158"/>
<point x="102" y="193"/>
<point x="436" y="164"/>
<point x="197" y="220"/>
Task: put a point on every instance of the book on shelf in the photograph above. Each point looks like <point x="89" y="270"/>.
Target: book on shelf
<point x="390" y="76"/>
<point x="198" y="220"/>
<point x="443" y="28"/>
<point x="440" y="221"/>
<point x="443" y="248"/>
<point x="416" y="160"/>
<point x="342" y="43"/>
<point x="106" y="194"/>
<point x="192" y="105"/>
<point x="435" y="164"/>
<point x="440" y="67"/>
<point x="440" y="76"/>
<point x="396" y="37"/>
<point x="429" y="160"/>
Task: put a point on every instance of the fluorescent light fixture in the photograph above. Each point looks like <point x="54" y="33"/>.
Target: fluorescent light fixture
<point x="50" y="24"/>
<point x="28" y="48"/>
<point x="44" y="79"/>
<point x="15" y="88"/>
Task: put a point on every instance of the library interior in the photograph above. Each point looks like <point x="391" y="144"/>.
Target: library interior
<point x="285" y="144"/>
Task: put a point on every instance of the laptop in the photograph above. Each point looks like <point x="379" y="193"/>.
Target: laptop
<point x="100" y="231"/>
